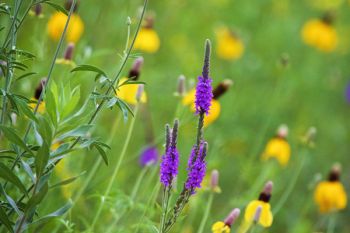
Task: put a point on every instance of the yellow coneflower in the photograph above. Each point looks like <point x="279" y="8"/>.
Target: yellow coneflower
<point x="68" y="55"/>
<point x="56" y="25"/>
<point x="37" y="93"/>
<point x="229" y="45"/>
<point x="128" y="93"/>
<point x="330" y="195"/>
<point x="225" y="226"/>
<point x="147" y="39"/>
<point x="320" y="33"/>
<point x="262" y="206"/>
<point x="278" y="147"/>
<point x="215" y="107"/>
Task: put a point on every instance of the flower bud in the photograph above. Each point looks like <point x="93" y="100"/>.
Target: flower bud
<point x="39" y="88"/>
<point x="134" y="73"/>
<point x="232" y="217"/>
<point x="282" y="131"/>
<point x="139" y="92"/>
<point x="257" y="214"/>
<point x="181" y="85"/>
<point x="68" y="55"/>
<point x="222" y="88"/>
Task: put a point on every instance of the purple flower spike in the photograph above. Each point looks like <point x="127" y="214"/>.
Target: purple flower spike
<point x="149" y="156"/>
<point x="170" y="160"/>
<point x="204" y="90"/>
<point x="204" y="95"/>
<point x="169" y="166"/>
<point x="196" y="167"/>
<point x="347" y="93"/>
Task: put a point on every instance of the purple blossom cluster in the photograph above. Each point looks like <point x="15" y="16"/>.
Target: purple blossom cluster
<point x="170" y="160"/>
<point x="347" y="92"/>
<point x="169" y="166"/>
<point x="149" y="156"/>
<point x="204" y="95"/>
<point x="196" y="167"/>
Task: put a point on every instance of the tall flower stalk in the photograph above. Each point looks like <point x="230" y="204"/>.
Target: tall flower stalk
<point x="196" y="163"/>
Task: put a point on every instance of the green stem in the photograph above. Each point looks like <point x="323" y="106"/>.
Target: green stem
<point x="291" y="186"/>
<point x="152" y="199"/>
<point x="132" y="197"/>
<point x="138" y="183"/>
<point x="92" y="171"/>
<point x="331" y="223"/>
<point x="165" y="205"/>
<point x="9" y="72"/>
<point x="116" y="169"/>
<point x="206" y="213"/>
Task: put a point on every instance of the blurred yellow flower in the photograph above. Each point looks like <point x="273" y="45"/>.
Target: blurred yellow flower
<point x="220" y="227"/>
<point x="55" y="145"/>
<point x="279" y="149"/>
<point x="330" y="195"/>
<point x="128" y="93"/>
<point x="214" y="111"/>
<point x="229" y="46"/>
<point x="147" y="40"/>
<point x="266" y="217"/>
<point x="56" y="25"/>
<point x="320" y="34"/>
<point x="41" y="108"/>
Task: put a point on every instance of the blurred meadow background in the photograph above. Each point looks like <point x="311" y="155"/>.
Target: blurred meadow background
<point x="278" y="79"/>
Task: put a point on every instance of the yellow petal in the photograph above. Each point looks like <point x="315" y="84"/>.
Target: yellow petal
<point x="128" y="93"/>
<point x="330" y="196"/>
<point x="277" y="148"/>
<point x="147" y="40"/>
<point x="229" y="46"/>
<point x="320" y="35"/>
<point x="56" y="25"/>
<point x="41" y="108"/>
<point x="220" y="227"/>
<point x="266" y="217"/>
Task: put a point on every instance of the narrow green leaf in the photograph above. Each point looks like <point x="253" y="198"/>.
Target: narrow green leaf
<point x="24" y="76"/>
<point x="56" y="7"/>
<point x="102" y="153"/>
<point x="36" y="199"/>
<point x="61" y="211"/>
<point x="67" y="181"/>
<point x="42" y="158"/>
<point x="25" y="109"/>
<point x="10" y="200"/>
<point x="11" y="135"/>
<point x="8" y="175"/>
<point x="80" y="131"/>
<point x="4" y="220"/>
<point x="89" y="68"/>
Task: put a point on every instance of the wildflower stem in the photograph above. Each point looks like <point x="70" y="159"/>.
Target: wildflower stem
<point x="331" y="223"/>
<point x="138" y="183"/>
<point x="116" y="169"/>
<point x="51" y="67"/>
<point x="165" y="205"/>
<point x="206" y="213"/>
<point x="151" y="200"/>
<point x="9" y="72"/>
<point x="291" y="186"/>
